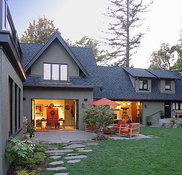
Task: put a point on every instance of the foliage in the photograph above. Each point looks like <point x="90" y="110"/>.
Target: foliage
<point x="149" y="118"/>
<point x="39" y="32"/>
<point x="22" y="172"/>
<point x="98" y="116"/>
<point x="23" y="154"/>
<point x="163" y="58"/>
<point x="167" y="57"/>
<point x="125" y="35"/>
<point x="101" y="137"/>
<point x="40" y="148"/>
<point x="30" y="130"/>
<point x="39" y="157"/>
<point x="20" y="153"/>
<point x="85" y="41"/>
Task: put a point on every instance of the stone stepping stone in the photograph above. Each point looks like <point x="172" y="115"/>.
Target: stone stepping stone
<point x="56" y="163"/>
<point x="55" y="154"/>
<point x="91" y="143"/>
<point x="72" y="154"/>
<point x="56" y="168"/>
<point x="76" y="157"/>
<point x="85" y="150"/>
<point x="60" y="151"/>
<point x="73" y="161"/>
<point x="61" y="174"/>
<point x="74" y="146"/>
<point x="53" y="148"/>
<point x="55" y="157"/>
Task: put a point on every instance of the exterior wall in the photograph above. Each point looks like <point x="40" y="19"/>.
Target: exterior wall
<point x="135" y="83"/>
<point x="57" y="93"/>
<point x="1" y="1"/>
<point x="55" y="53"/>
<point x="150" y="108"/>
<point x="162" y="87"/>
<point x="6" y="71"/>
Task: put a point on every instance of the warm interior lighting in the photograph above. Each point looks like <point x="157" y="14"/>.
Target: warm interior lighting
<point x="118" y="107"/>
<point x="124" y="104"/>
<point x="128" y="103"/>
<point x="138" y="103"/>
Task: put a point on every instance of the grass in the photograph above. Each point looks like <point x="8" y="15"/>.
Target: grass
<point x="155" y="156"/>
<point x="161" y="155"/>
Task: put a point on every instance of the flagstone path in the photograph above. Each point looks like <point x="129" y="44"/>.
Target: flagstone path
<point x="61" y="154"/>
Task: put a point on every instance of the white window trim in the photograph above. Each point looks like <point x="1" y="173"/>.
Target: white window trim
<point x="62" y="72"/>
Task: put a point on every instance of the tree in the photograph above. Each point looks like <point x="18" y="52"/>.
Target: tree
<point x="167" y="57"/>
<point x="163" y="58"/>
<point x="125" y="38"/>
<point x="98" y="116"/>
<point x="87" y="42"/>
<point x="39" y="32"/>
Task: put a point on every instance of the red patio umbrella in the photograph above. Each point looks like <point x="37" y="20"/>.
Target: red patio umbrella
<point x="103" y="102"/>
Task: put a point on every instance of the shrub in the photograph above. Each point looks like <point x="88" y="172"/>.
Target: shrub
<point x="40" y="148"/>
<point x="20" y="153"/>
<point x="22" y="172"/>
<point x="39" y="157"/>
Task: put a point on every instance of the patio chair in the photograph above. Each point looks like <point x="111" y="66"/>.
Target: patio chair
<point x="130" y="129"/>
<point x="116" y="126"/>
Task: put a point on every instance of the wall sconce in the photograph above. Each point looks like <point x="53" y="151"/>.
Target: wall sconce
<point x="85" y="99"/>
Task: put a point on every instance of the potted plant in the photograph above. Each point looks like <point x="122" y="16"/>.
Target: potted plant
<point x="149" y="120"/>
<point x="162" y="114"/>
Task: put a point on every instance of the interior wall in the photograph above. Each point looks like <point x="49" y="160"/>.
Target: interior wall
<point x="44" y="103"/>
<point x="132" y="112"/>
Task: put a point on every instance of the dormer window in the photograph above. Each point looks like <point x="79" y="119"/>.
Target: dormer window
<point x="55" y="72"/>
<point x="167" y="85"/>
<point x="143" y="85"/>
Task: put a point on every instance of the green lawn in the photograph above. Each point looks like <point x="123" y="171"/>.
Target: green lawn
<point x="156" y="156"/>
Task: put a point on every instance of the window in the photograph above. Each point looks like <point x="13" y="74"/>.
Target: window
<point x="16" y="106"/>
<point x="47" y="71"/>
<point x="143" y="84"/>
<point x="55" y="72"/>
<point x="10" y="128"/>
<point x="63" y="72"/>
<point x="19" y="108"/>
<point x="167" y="85"/>
<point x="177" y="106"/>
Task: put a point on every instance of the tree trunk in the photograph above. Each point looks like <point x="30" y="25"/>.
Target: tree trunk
<point x="128" y="36"/>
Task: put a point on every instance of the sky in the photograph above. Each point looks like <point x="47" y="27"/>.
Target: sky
<point x="78" y="18"/>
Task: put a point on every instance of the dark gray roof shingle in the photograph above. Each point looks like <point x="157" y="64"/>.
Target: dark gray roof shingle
<point x="164" y="74"/>
<point x="136" y="72"/>
<point x="117" y="85"/>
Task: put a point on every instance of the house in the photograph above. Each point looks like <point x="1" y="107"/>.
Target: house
<point x="11" y="88"/>
<point x="52" y="83"/>
<point x="59" y="76"/>
<point x="68" y="78"/>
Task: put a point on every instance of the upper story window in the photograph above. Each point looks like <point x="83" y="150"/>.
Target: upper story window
<point x="167" y="85"/>
<point x="55" y="72"/>
<point x="143" y="84"/>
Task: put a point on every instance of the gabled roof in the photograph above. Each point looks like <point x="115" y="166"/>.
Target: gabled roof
<point x="55" y="36"/>
<point x="118" y="86"/>
<point x="141" y="73"/>
<point x="165" y="74"/>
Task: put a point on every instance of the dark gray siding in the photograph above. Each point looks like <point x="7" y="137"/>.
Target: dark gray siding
<point x="6" y="71"/>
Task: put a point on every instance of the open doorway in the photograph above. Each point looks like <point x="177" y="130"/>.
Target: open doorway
<point x="128" y="110"/>
<point x="54" y="114"/>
